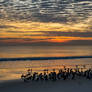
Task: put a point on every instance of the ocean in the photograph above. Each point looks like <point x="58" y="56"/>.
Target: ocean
<point x="10" y="70"/>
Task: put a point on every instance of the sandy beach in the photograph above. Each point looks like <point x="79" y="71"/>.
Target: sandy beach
<point x="80" y="85"/>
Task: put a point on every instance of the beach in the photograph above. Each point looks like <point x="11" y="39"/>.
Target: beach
<point x="79" y="85"/>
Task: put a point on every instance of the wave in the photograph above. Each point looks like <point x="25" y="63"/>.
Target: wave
<point x="43" y="58"/>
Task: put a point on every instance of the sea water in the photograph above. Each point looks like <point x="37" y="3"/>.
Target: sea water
<point x="13" y="69"/>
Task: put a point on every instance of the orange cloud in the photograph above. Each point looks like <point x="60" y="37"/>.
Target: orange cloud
<point x="29" y="32"/>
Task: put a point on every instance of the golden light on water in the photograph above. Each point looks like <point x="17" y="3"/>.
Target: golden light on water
<point x="13" y="70"/>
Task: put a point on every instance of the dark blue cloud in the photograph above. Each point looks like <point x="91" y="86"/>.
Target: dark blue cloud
<point x="68" y="34"/>
<point x="60" y="34"/>
<point x="46" y="10"/>
<point x="6" y="26"/>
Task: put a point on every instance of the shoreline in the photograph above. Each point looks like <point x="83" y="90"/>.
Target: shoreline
<point x="79" y="85"/>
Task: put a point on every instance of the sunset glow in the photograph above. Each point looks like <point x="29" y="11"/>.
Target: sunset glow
<point x="47" y="26"/>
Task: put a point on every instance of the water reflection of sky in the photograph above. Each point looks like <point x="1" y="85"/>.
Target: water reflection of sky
<point x="44" y="51"/>
<point x="13" y="70"/>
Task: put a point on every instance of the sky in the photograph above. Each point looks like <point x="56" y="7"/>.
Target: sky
<point x="46" y="22"/>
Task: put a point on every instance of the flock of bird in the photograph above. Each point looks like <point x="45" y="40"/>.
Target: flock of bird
<point x="61" y="74"/>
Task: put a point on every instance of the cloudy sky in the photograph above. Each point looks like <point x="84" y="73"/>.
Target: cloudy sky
<point x="45" y="21"/>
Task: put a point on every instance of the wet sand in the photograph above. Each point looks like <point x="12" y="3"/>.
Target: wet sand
<point x="79" y="85"/>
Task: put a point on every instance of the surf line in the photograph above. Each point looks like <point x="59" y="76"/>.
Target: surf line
<point x="43" y="58"/>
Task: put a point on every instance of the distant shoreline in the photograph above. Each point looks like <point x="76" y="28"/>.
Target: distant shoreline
<point x="43" y="58"/>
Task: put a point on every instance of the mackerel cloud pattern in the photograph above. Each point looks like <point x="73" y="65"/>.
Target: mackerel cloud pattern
<point x="46" y="10"/>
